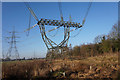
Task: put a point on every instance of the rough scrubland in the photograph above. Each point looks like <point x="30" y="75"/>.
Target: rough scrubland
<point x="97" y="67"/>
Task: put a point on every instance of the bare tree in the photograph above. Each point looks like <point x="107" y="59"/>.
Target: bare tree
<point x="114" y="33"/>
<point x="99" y="38"/>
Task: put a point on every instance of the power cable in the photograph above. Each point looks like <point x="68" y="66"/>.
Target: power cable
<point x="84" y="18"/>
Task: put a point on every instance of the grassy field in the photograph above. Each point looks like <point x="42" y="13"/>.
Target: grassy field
<point x="99" y="67"/>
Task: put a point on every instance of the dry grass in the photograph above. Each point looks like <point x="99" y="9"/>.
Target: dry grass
<point x="94" y="67"/>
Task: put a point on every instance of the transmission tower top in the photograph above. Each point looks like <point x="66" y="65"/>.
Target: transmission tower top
<point x="51" y="45"/>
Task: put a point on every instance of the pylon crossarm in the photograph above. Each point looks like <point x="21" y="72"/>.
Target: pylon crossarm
<point x="59" y="23"/>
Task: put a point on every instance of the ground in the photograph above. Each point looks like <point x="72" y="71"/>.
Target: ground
<point x="98" y="67"/>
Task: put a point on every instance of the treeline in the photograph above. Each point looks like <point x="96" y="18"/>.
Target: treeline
<point x="109" y="43"/>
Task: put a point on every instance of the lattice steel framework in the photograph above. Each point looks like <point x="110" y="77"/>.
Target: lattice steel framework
<point x="13" y="45"/>
<point x="48" y="42"/>
<point x="51" y="45"/>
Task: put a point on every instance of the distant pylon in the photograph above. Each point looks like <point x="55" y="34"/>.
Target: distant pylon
<point x="13" y="45"/>
<point x="34" y="54"/>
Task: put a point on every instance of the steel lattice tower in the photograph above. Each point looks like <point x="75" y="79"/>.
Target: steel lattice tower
<point x="13" y="45"/>
<point x="50" y="44"/>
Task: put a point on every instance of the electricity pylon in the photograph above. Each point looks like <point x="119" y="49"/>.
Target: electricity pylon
<point x="51" y="45"/>
<point x="13" y="45"/>
<point x="67" y="25"/>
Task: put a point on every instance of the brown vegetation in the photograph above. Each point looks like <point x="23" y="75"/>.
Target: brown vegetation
<point x="93" y="68"/>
